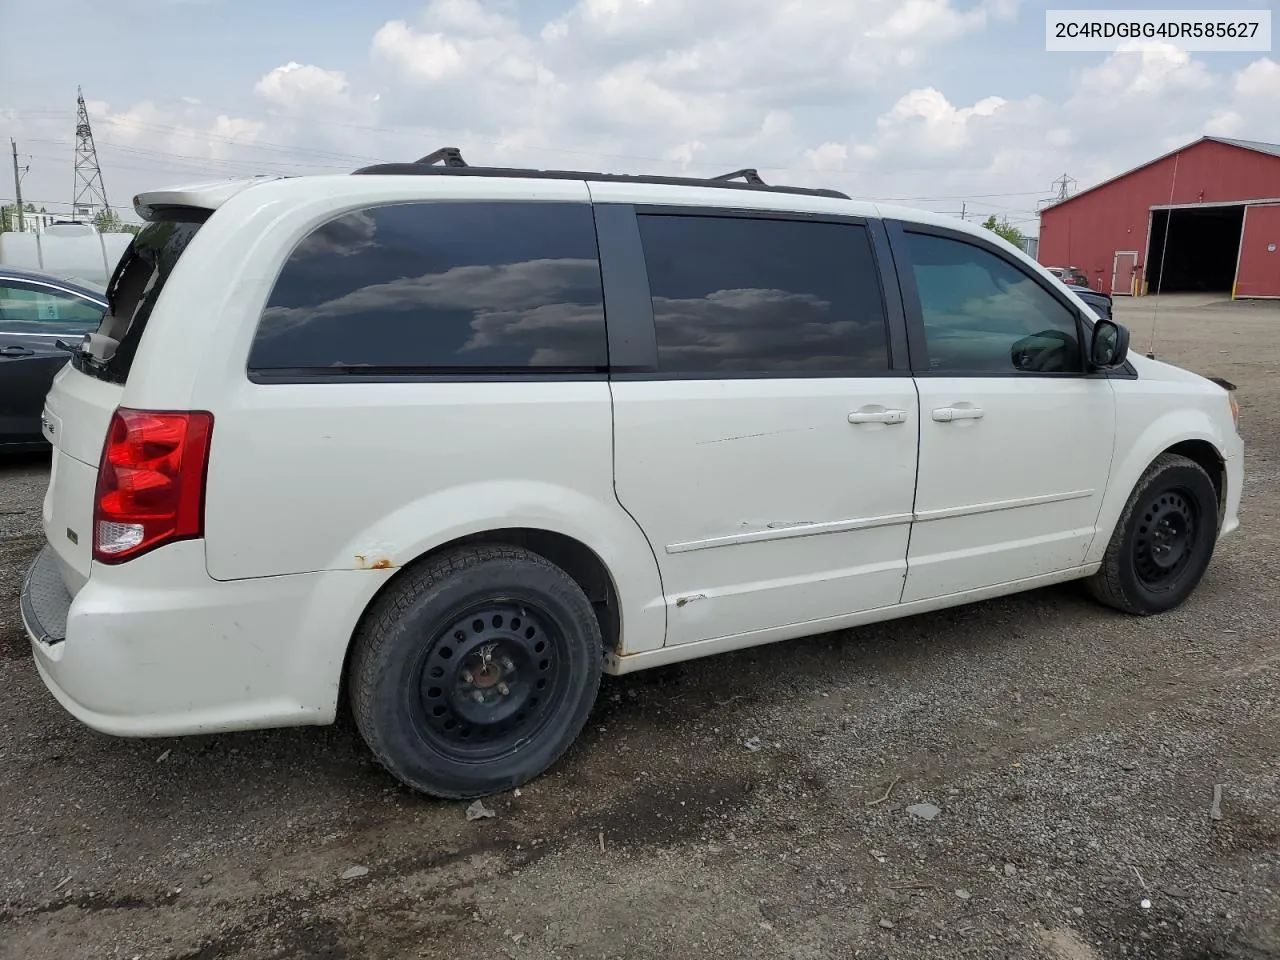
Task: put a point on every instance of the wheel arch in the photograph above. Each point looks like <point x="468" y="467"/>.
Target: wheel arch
<point x="1211" y="459"/>
<point x="1198" y="440"/>
<point x="582" y="563"/>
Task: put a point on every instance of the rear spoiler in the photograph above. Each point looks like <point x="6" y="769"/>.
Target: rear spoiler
<point x="202" y="196"/>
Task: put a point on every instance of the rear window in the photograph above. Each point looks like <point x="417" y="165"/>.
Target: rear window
<point x="135" y="286"/>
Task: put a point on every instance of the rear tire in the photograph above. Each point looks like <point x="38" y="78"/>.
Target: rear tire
<point x="474" y="674"/>
<point x="1163" y="541"/>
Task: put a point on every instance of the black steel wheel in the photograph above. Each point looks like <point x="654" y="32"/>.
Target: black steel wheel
<point x="474" y="673"/>
<point x="1163" y="542"/>
<point x="488" y="681"/>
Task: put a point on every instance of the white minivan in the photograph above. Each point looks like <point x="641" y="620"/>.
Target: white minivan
<point x="449" y="442"/>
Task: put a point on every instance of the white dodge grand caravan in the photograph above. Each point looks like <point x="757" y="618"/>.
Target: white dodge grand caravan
<point x="450" y="442"/>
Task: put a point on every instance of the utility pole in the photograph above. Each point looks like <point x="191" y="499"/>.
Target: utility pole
<point x="17" y="185"/>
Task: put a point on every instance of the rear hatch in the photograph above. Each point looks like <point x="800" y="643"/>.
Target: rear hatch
<point x="87" y="391"/>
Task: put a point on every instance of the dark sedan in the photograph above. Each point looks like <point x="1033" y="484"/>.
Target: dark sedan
<point x="36" y="311"/>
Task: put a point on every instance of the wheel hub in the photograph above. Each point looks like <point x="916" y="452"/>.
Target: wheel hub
<point x="1165" y="538"/>
<point x="486" y="680"/>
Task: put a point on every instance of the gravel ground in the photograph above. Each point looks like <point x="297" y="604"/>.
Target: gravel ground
<point x="1072" y="753"/>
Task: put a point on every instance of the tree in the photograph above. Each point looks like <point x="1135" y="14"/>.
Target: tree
<point x="1005" y="229"/>
<point x="108" y="221"/>
<point x="9" y="215"/>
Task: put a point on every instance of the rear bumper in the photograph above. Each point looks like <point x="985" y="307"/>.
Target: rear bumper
<point x="157" y="648"/>
<point x="45" y="600"/>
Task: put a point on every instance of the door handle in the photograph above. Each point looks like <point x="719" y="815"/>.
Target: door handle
<point x="878" y="416"/>
<point x="947" y="414"/>
<point x="14" y="350"/>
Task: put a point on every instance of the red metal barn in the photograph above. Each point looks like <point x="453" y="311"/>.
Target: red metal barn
<point x="1204" y="218"/>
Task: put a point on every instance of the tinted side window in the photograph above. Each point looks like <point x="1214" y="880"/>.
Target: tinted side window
<point x="984" y="315"/>
<point x="31" y="309"/>
<point x="441" y="286"/>
<point x="740" y="295"/>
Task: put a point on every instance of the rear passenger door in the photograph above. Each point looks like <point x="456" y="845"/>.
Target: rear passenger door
<point x="765" y="419"/>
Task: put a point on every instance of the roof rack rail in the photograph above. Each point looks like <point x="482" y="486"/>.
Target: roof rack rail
<point x="451" y="156"/>
<point x="449" y="161"/>
<point x="746" y="174"/>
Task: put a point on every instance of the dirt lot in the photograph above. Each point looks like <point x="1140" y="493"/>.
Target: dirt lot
<point x="1073" y="753"/>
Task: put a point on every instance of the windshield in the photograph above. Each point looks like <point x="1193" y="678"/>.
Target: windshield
<point x="133" y="290"/>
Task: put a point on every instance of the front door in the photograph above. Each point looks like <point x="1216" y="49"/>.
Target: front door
<point x="1016" y="439"/>
<point x="771" y="457"/>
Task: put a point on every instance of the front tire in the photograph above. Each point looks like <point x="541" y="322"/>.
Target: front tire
<point x="474" y="674"/>
<point x="1163" y="542"/>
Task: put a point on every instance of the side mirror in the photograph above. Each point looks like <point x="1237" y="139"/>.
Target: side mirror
<point x="1110" y="345"/>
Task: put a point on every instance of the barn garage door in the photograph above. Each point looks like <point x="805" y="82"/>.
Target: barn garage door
<point x="1259" y="272"/>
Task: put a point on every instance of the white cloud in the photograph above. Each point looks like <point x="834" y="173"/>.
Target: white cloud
<point x="469" y="17"/>
<point x="1152" y="72"/>
<point x="1225" y="123"/>
<point x="932" y="20"/>
<point x="427" y="56"/>
<point x="876" y="97"/>
<point x="155" y="130"/>
<point x="1259" y="79"/>
<point x="300" y="87"/>
<point x="239" y="129"/>
<point x="828" y="156"/>
<point x="683" y="153"/>
<point x="926" y="121"/>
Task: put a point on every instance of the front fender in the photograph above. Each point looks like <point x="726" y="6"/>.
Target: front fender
<point x="1136" y="449"/>
<point x="446" y="515"/>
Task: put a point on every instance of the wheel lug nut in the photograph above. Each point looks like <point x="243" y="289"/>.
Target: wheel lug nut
<point x="466" y="676"/>
<point x="507" y="664"/>
<point x="503" y="689"/>
<point x="478" y="697"/>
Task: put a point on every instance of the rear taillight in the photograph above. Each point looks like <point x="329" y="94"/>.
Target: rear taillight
<point x="150" y="482"/>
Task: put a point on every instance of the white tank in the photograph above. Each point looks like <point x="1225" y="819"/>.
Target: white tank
<point x="68" y="250"/>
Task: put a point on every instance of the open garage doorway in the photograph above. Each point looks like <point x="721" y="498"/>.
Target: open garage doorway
<point x="1201" y="251"/>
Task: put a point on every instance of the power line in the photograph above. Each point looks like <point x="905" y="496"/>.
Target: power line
<point x="405" y="129"/>
<point x="961" y="196"/>
<point x="165" y="154"/>
<point x="315" y="159"/>
<point x="56" y="203"/>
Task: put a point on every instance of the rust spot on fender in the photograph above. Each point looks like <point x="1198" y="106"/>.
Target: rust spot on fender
<point x="382" y="563"/>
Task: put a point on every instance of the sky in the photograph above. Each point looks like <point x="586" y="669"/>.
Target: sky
<point x="949" y="105"/>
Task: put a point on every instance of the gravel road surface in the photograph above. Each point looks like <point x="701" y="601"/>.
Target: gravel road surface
<point x="761" y="804"/>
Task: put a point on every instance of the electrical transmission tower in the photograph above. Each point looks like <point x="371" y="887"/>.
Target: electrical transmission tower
<point x="89" y="189"/>
<point x="1064" y="185"/>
